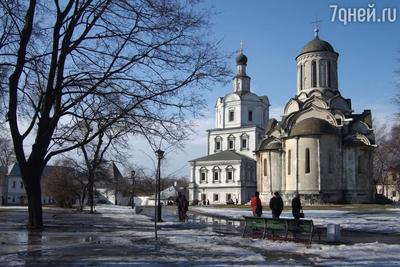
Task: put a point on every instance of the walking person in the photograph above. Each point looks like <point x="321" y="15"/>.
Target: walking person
<point x="179" y="202"/>
<point x="185" y="208"/>
<point x="296" y="207"/>
<point x="276" y="205"/>
<point x="256" y="205"/>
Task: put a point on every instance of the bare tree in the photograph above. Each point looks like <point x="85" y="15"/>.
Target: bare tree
<point x="141" y="62"/>
<point x="64" y="184"/>
<point x="7" y="156"/>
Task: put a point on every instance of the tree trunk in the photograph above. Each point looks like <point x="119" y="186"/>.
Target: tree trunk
<point x="82" y="200"/>
<point x="91" y="193"/>
<point x="34" y="193"/>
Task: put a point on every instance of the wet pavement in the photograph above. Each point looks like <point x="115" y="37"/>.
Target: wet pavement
<point x="117" y="236"/>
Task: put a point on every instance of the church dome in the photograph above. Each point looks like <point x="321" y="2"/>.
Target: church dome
<point x="241" y="59"/>
<point x="312" y="126"/>
<point x="317" y="45"/>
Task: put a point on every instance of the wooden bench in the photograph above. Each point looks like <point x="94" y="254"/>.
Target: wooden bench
<point x="284" y="226"/>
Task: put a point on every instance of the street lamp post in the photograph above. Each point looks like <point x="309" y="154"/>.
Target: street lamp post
<point x="133" y="189"/>
<point x="160" y="155"/>
<point x="157" y="204"/>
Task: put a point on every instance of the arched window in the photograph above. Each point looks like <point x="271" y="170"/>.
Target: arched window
<point x="328" y="73"/>
<point x="301" y="77"/>
<point x="216" y="174"/>
<point x="203" y="175"/>
<point x="218" y="144"/>
<point x="250" y="115"/>
<point x="289" y="162"/>
<point x="307" y="161"/>
<point x="231" y="115"/>
<point x="314" y="74"/>
<point x="229" y="173"/>
<point x="231" y="142"/>
<point x="330" y="161"/>
<point x="265" y="166"/>
<point x="244" y="140"/>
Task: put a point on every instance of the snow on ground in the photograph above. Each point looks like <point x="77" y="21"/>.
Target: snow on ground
<point x="117" y="236"/>
<point x="385" y="221"/>
<point x="267" y="252"/>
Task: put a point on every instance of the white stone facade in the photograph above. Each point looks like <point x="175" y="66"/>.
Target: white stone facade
<point x="319" y="148"/>
<point x="228" y="172"/>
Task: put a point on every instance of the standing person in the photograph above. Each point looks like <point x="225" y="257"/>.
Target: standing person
<point x="185" y="208"/>
<point x="296" y="206"/>
<point x="276" y="205"/>
<point x="256" y="205"/>
<point x="179" y="202"/>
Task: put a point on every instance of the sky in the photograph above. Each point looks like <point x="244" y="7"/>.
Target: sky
<point x="273" y="33"/>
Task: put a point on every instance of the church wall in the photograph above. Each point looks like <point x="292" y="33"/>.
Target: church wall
<point x="331" y="163"/>
<point x="358" y="187"/>
<point x="321" y="59"/>
<point x="290" y="173"/>
<point x="308" y="181"/>
<point x="302" y="181"/>
<point x="236" y="108"/>
<point x="242" y="185"/>
<point x="252" y="142"/>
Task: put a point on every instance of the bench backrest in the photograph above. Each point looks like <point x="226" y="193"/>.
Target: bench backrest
<point x="276" y="224"/>
<point x="306" y="226"/>
<point x="257" y="222"/>
<point x="300" y="225"/>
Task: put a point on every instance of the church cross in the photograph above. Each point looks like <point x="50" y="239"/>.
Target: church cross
<point x="241" y="46"/>
<point x="316" y="24"/>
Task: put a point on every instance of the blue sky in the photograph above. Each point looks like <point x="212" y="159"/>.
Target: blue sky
<point x="273" y="33"/>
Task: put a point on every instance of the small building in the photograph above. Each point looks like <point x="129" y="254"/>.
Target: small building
<point x="390" y="185"/>
<point x="15" y="194"/>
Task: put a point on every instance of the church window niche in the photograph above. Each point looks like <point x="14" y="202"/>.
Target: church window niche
<point x="301" y="77"/>
<point x="244" y="141"/>
<point x="231" y="142"/>
<point x="359" y="165"/>
<point x="328" y="73"/>
<point x="218" y="143"/>
<point x="330" y="161"/>
<point x="289" y="162"/>
<point x="265" y="167"/>
<point x="307" y="161"/>
<point x="203" y="175"/>
<point x="229" y="174"/>
<point x="313" y="74"/>
<point x="231" y="115"/>
<point x="250" y="115"/>
<point x="322" y="76"/>
<point x="216" y="174"/>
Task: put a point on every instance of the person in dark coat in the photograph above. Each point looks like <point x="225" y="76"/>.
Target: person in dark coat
<point x="180" y="203"/>
<point x="296" y="206"/>
<point x="256" y="206"/>
<point x="276" y="205"/>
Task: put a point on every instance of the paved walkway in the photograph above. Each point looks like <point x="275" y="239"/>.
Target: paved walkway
<point x="119" y="237"/>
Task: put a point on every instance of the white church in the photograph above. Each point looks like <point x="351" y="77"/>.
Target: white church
<point x="319" y="148"/>
<point x="228" y="172"/>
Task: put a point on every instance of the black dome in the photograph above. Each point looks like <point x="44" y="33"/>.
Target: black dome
<point x="241" y="59"/>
